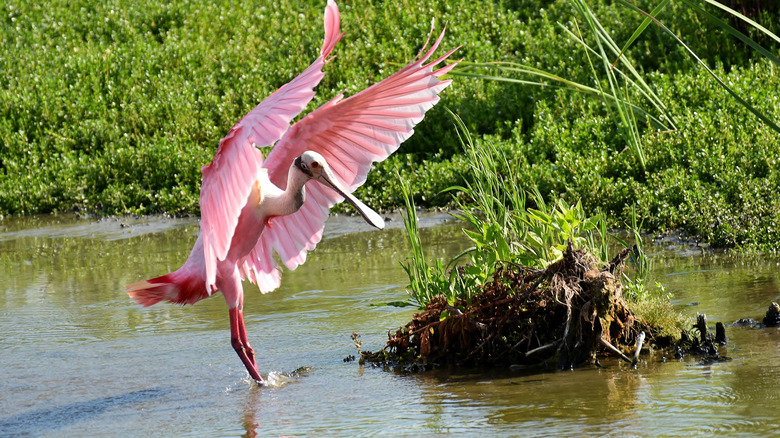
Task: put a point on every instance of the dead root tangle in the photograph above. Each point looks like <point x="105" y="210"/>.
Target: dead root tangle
<point x="568" y="313"/>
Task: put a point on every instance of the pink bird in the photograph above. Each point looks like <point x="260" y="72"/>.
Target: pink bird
<point x="252" y="207"/>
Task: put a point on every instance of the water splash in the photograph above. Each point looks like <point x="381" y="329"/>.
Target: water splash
<point x="280" y="379"/>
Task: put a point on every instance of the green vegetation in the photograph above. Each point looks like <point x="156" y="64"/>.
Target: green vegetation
<point x="504" y="230"/>
<point x="501" y="227"/>
<point x="526" y="296"/>
<point x="113" y="108"/>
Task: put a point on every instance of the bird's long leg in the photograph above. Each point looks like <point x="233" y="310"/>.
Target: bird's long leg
<point x="243" y="338"/>
<point x="241" y="344"/>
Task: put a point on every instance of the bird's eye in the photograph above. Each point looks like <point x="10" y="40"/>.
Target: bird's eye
<point x="315" y="165"/>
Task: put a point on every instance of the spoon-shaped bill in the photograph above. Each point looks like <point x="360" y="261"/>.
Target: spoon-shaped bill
<point x="372" y="217"/>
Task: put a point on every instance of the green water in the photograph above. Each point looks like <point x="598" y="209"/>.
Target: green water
<point x="79" y="358"/>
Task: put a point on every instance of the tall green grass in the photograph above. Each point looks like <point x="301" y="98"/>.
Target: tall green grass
<point x="618" y="82"/>
<point x="501" y="225"/>
<point x="614" y="85"/>
<point x="725" y="27"/>
<point x="428" y="279"/>
<point x="504" y="230"/>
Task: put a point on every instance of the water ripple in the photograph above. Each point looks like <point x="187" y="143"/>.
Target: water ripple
<point x="44" y="420"/>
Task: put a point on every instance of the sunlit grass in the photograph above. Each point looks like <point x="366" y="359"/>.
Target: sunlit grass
<point x="112" y="108"/>
<point x="504" y="230"/>
<point x="643" y="115"/>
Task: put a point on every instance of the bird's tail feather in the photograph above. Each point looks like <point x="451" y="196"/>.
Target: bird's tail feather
<point x="177" y="287"/>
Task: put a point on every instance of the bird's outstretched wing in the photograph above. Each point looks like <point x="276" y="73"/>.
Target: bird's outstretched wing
<point x="228" y="180"/>
<point x="350" y="134"/>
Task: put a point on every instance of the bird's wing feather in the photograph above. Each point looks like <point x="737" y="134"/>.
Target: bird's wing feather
<point x="228" y="180"/>
<point x="350" y="134"/>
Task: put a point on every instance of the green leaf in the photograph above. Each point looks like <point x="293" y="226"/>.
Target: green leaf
<point x="639" y="30"/>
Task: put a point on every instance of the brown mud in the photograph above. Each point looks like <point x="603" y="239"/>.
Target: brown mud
<point x="565" y="315"/>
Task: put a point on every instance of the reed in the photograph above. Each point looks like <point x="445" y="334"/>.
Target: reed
<point x="631" y="102"/>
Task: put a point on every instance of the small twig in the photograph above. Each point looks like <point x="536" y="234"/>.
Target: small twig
<point x="640" y="339"/>
<point x="569" y="314"/>
<point x="460" y="313"/>
<point x="614" y="349"/>
<point x="357" y="341"/>
<point x="620" y="260"/>
<point x="516" y="346"/>
<point x="454" y="310"/>
<point x="479" y="347"/>
<point x="543" y="347"/>
<point x="423" y="328"/>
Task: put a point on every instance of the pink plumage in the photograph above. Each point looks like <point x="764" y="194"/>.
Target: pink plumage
<point x="252" y="208"/>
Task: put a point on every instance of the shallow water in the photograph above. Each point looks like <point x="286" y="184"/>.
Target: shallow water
<point x="79" y="358"/>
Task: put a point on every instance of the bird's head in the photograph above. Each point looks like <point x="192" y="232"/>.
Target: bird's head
<point x="314" y="166"/>
<point x="311" y="164"/>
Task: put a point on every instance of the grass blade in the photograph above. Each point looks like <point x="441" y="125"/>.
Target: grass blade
<point x="733" y="93"/>
<point x="734" y="32"/>
<point x="466" y="70"/>
<point x="639" y="30"/>
<point x="745" y="19"/>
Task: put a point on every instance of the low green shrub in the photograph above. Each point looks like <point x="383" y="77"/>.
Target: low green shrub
<point x="112" y="108"/>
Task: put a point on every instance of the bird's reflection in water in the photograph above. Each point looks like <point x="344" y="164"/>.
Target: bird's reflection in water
<point x="273" y="380"/>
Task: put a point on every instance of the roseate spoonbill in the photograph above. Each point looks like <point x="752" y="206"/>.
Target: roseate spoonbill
<point x="251" y="207"/>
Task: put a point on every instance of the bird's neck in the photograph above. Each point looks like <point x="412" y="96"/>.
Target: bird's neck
<point x="294" y="195"/>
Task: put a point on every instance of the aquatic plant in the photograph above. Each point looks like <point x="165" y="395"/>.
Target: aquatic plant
<point x="648" y="121"/>
<point x="502" y="226"/>
<point x="425" y="281"/>
<point x="523" y="316"/>
<point x="503" y="229"/>
<point x="527" y="296"/>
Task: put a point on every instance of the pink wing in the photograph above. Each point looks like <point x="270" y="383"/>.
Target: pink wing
<point x="228" y="180"/>
<point x="350" y="134"/>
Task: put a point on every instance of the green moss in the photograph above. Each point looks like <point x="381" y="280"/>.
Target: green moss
<point x="661" y="315"/>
